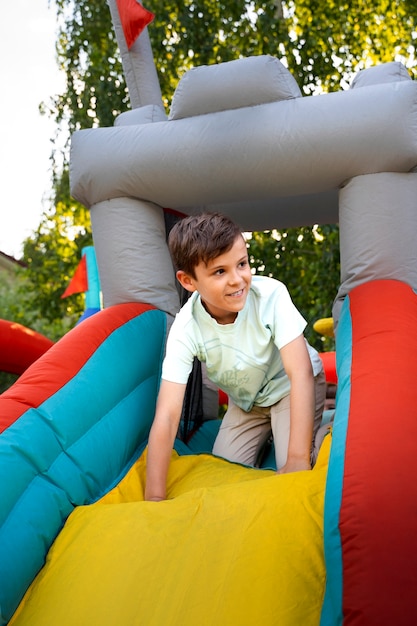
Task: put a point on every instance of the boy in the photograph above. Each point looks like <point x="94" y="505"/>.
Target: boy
<point x="250" y="336"/>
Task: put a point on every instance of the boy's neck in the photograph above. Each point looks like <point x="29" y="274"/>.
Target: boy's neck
<point x="228" y="318"/>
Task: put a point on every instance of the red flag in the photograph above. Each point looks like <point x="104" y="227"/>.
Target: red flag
<point x="134" y="18"/>
<point x="79" y="281"/>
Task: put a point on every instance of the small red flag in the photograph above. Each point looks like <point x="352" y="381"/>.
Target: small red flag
<point x="134" y="18"/>
<point x="79" y="281"/>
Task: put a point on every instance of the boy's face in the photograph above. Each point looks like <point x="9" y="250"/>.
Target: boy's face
<point x="223" y="283"/>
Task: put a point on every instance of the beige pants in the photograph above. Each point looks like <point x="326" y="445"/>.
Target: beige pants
<point x="242" y="434"/>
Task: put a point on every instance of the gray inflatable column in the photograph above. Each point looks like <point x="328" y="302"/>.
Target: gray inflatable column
<point x="138" y="65"/>
<point x="132" y="254"/>
<point x="378" y="231"/>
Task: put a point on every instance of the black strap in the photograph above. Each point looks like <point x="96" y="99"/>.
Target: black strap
<point x="192" y="410"/>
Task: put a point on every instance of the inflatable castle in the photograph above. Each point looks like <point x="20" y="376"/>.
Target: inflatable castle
<point x="232" y="545"/>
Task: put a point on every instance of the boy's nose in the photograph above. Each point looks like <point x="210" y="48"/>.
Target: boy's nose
<point x="234" y="277"/>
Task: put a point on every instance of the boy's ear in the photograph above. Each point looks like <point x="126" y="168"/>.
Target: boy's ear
<point x="186" y="281"/>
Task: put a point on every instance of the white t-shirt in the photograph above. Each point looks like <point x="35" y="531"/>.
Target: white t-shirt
<point x="243" y="359"/>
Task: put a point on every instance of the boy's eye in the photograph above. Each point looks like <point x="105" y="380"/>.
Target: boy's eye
<point x="243" y="263"/>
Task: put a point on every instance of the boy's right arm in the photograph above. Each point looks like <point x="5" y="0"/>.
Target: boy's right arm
<point x="161" y="438"/>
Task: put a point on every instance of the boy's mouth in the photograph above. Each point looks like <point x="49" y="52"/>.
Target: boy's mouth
<point x="236" y="294"/>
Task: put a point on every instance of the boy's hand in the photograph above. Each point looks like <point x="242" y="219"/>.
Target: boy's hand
<point x="155" y="499"/>
<point x="295" y="465"/>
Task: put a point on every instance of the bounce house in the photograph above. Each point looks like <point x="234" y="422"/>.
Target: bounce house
<point x="20" y="346"/>
<point x="232" y="545"/>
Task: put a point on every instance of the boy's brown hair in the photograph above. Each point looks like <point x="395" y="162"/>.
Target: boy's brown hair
<point x="199" y="238"/>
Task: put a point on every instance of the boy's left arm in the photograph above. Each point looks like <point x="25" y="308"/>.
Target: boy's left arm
<point x="298" y="367"/>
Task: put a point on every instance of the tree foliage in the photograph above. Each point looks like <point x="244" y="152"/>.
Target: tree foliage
<point x="307" y="261"/>
<point x="52" y="255"/>
<point x="323" y="43"/>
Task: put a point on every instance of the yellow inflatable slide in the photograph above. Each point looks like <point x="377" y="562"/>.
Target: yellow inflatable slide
<point x="225" y="549"/>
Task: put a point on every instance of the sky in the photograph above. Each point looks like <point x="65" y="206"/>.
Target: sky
<point x="28" y="75"/>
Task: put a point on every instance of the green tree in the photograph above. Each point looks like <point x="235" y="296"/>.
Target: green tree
<point x="52" y="254"/>
<point x="322" y="42"/>
<point x="307" y="261"/>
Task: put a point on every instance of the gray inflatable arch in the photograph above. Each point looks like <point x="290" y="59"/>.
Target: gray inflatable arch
<point x="241" y="139"/>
